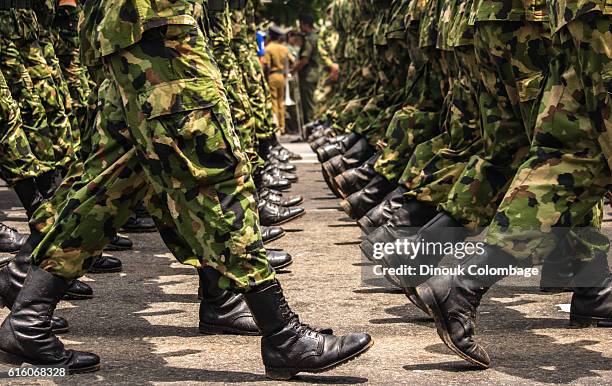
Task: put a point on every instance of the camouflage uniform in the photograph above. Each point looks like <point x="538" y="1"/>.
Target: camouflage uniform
<point x="418" y="120"/>
<point x="567" y="171"/>
<point x="220" y="35"/>
<point x="45" y="71"/>
<point x="363" y="74"/>
<point x="309" y="74"/>
<point x="167" y="133"/>
<point x="17" y="162"/>
<point x="328" y="40"/>
<point x="17" y="29"/>
<point x="436" y="164"/>
<point x="512" y="47"/>
<point x="244" y="46"/>
<point x="392" y="64"/>
<point x="66" y="45"/>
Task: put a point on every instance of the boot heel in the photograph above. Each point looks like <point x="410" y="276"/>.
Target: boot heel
<point x="279" y="374"/>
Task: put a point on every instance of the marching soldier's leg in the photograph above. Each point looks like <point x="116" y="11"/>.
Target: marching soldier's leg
<point x="220" y="222"/>
<point x="66" y="44"/>
<point x="33" y="115"/>
<point x="192" y="160"/>
<point x="51" y="96"/>
<point x="565" y="176"/>
<point x="17" y="162"/>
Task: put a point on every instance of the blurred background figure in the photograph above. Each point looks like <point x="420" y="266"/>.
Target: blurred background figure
<point x="276" y="64"/>
<point x="307" y="66"/>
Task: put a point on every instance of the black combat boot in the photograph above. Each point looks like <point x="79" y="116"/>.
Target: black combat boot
<point x="11" y="241"/>
<point x="49" y="182"/>
<point x="282" y="166"/>
<point x="352" y="158"/>
<point x="275" y="172"/>
<point x="269" y="234"/>
<point x="106" y="264"/>
<point x="441" y="230"/>
<point x="221" y="311"/>
<point x="452" y="301"/>
<point x="29" y="195"/>
<point x="139" y="225"/>
<point x="592" y="299"/>
<point x="322" y="141"/>
<point x="356" y="179"/>
<point x="13" y="275"/>
<point x="337" y="146"/>
<point x="404" y="223"/>
<point x="358" y="204"/>
<point x="278" y="199"/>
<point x="382" y="212"/>
<point x="119" y="243"/>
<point x="558" y="270"/>
<point x="77" y="290"/>
<point x="319" y="132"/>
<point x="278" y="259"/>
<point x="26" y="334"/>
<point x="279" y="149"/>
<point x="288" y="346"/>
<point x="271" y="214"/>
<point x="266" y="181"/>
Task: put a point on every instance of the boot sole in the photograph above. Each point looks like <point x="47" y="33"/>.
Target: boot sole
<point x="17" y="360"/>
<point x="580" y="321"/>
<point x="275" y="238"/>
<point x="101" y="271"/>
<point x="296" y="204"/>
<point x="210" y="329"/>
<point x="280" y="189"/>
<point x="365" y="225"/>
<point x="59" y="331"/>
<point x="367" y="250"/>
<point x="339" y="183"/>
<point x="284" y="265"/>
<point x="425" y="294"/>
<point x="287" y="219"/>
<point x="346" y="207"/>
<point x="76" y="297"/>
<point x="285" y="374"/>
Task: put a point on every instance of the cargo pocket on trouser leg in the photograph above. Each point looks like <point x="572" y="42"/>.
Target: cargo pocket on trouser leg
<point x="530" y="91"/>
<point x="193" y="157"/>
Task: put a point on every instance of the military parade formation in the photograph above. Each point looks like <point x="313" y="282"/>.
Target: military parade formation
<point x="434" y="121"/>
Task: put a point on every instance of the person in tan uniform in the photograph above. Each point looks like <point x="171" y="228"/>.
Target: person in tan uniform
<point x="276" y="59"/>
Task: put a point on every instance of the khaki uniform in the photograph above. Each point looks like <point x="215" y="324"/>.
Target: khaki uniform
<point x="276" y="59"/>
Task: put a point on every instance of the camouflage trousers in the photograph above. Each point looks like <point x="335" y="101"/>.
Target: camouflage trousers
<point x="417" y="121"/>
<point x="16" y="30"/>
<point x="43" y="67"/>
<point x="66" y="45"/>
<point x="220" y="34"/>
<point x="17" y="162"/>
<point x="567" y="171"/>
<point x="167" y="138"/>
<point x="435" y="165"/>
<point x="512" y="59"/>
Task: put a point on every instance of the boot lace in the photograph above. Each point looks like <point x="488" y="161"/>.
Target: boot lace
<point x="294" y="319"/>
